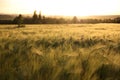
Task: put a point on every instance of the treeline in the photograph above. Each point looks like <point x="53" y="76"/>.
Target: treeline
<point x="38" y="19"/>
<point x="41" y="19"/>
<point x="115" y="20"/>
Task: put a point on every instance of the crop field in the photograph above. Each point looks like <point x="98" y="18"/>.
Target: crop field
<point x="60" y="52"/>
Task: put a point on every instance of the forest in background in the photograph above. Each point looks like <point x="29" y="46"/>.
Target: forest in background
<point x="42" y="19"/>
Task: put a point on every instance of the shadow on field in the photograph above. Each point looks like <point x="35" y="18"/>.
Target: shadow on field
<point x="107" y="72"/>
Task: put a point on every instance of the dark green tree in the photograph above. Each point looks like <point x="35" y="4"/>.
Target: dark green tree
<point x="117" y="20"/>
<point x="40" y="16"/>
<point x="35" y="17"/>
<point x="19" y="20"/>
<point x="74" y="20"/>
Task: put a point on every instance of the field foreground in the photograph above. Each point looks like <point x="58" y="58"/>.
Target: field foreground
<point x="60" y="52"/>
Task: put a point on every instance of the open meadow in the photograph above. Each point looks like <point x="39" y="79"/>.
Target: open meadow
<point x="60" y="52"/>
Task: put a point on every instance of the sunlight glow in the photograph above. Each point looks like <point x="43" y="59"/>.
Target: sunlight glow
<point x="63" y="7"/>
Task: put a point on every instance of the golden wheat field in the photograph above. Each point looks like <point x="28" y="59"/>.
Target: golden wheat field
<point x="60" y="52"/>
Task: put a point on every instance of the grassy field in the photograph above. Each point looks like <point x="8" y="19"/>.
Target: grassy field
<point x="60" y="52"/>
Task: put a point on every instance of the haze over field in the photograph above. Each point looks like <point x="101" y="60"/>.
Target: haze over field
<point x="59" y="39"/>
<point x="61" y="7"/>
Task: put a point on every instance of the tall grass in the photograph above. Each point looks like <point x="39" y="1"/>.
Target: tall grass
<point x="60" y="52"/>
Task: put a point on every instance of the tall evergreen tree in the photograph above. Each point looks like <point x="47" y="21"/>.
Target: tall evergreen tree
<point x="74" y="20"/>
<point x="35" y="17"/>
<point x="40" y="16"/>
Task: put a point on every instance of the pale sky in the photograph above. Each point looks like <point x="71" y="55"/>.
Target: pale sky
<point x="61" y="7"/>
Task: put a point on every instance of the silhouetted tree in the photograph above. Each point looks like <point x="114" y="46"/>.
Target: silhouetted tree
<point x="19" y="20"/>
<point x="40" y="18"/>
<point x="44" y="20"/>
<point x="35" y="17"/>
<point x="74" y="20"/>
<point x="117" y="20"/>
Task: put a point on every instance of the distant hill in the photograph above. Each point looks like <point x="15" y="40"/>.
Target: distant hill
<point x="11" y="17"/>
<point x="100" y="17"/>
<point x="86" y="17"/>
<point x="7" y="17"/>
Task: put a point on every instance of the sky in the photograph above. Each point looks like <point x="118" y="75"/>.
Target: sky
<point x="61" y="7"/>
